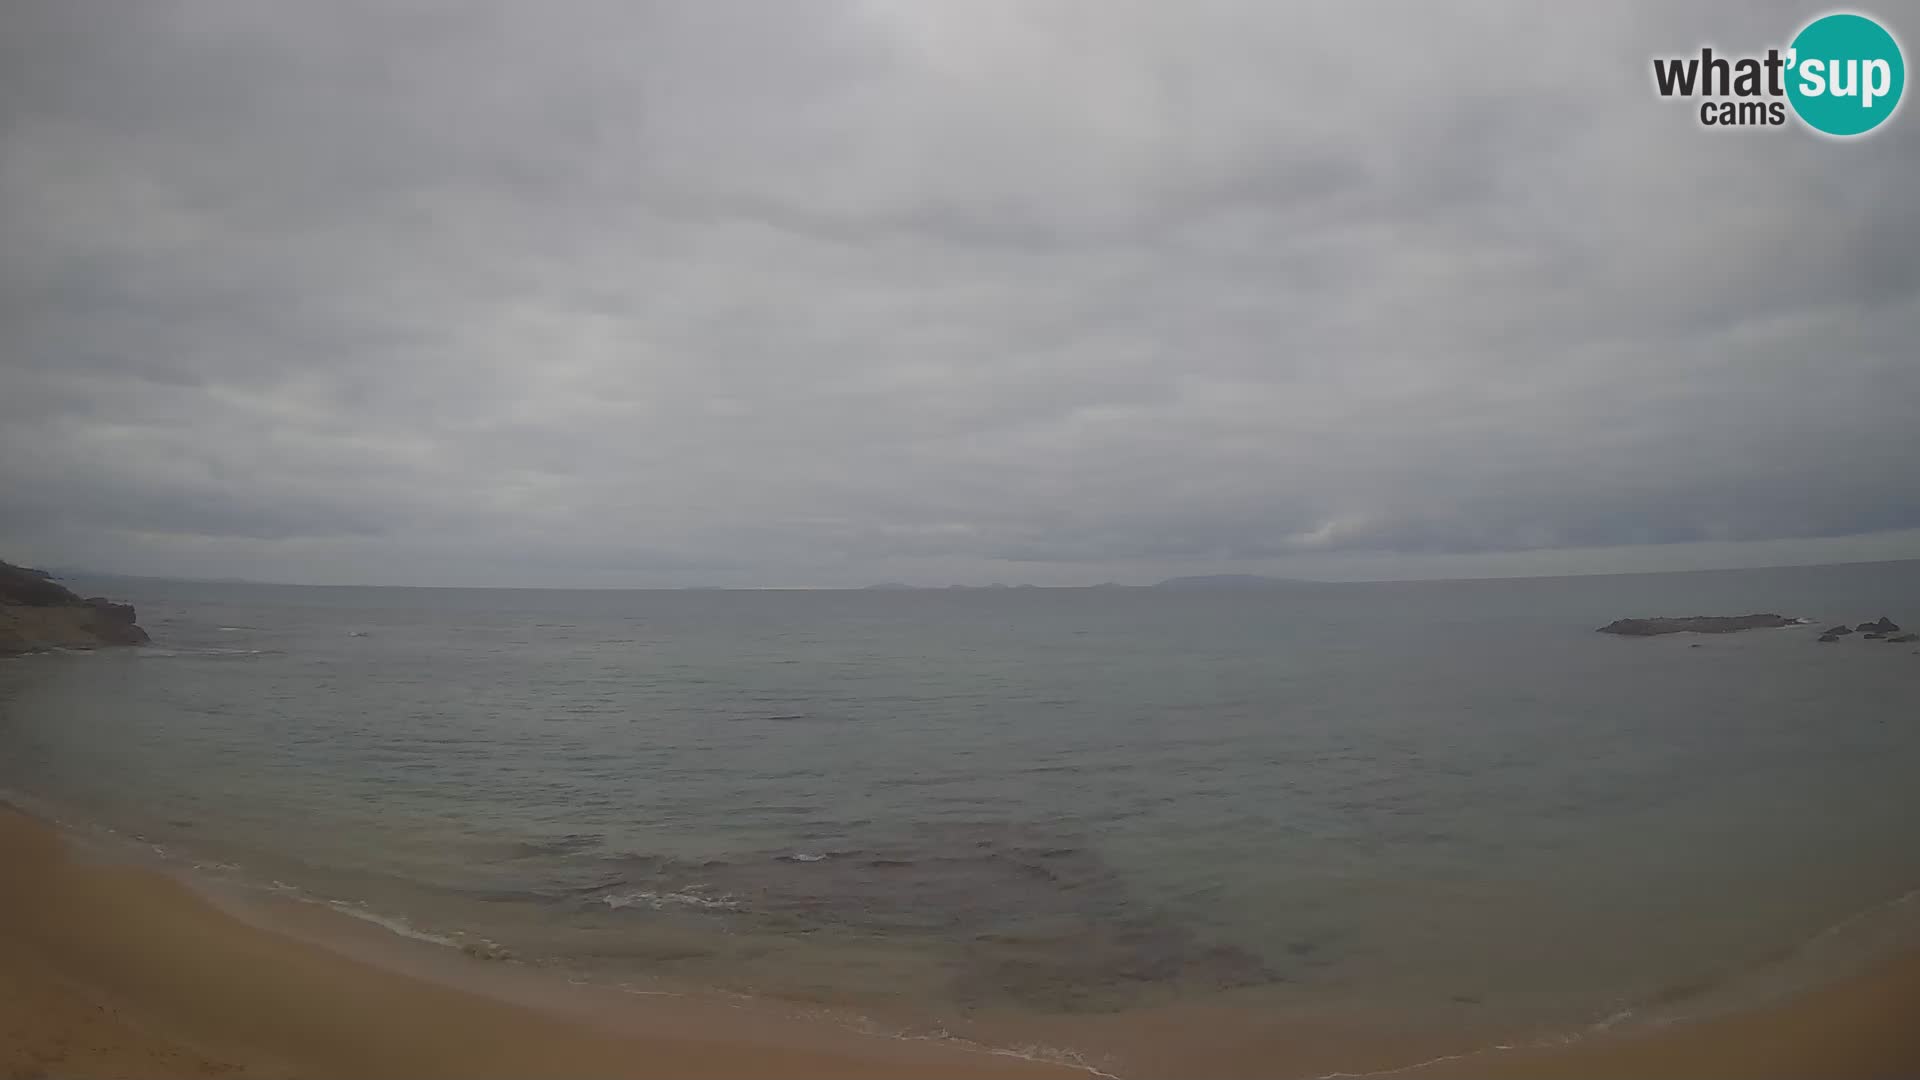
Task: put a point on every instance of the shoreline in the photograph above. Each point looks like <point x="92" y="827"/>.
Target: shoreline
<point x="112" y="968"/>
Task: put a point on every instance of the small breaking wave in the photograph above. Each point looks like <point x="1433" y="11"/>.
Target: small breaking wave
<point x="210" y="653"/>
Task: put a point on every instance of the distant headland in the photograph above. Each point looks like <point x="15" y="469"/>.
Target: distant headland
<point x="37" y="613"/>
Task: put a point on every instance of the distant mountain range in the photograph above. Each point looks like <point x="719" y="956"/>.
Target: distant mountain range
<point x="897" y="586"/>
<point x="1199" y="583"/>
<point x="1231" y="581"/>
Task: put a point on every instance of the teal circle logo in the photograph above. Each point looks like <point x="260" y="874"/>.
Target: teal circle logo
<point x="1845" y="74"/>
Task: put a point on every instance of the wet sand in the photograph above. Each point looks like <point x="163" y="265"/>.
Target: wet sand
<point x="115" y="970"/>
<point x="110" y="969"/>
<point x="1865" y="1026"/>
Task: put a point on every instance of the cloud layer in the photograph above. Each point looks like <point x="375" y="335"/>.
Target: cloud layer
<point x="762" y="293"/>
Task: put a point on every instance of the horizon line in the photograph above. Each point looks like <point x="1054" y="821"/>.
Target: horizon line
<point x="890" y="586"/>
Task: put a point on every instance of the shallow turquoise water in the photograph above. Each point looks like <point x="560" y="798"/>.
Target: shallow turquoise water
<point x="1424" y="796"/>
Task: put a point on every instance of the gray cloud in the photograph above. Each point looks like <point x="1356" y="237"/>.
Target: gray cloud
<point x="827" y="293"/>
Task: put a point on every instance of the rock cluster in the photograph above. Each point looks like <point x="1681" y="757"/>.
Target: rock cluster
<point x="1881" y="629"/>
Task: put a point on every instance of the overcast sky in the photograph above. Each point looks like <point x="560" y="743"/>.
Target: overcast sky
<point x="816" y="293"/>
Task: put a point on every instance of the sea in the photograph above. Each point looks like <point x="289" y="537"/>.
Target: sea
<point x="1443" y="802"/>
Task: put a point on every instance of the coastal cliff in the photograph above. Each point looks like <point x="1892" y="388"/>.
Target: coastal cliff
<point x="38" y="613"/>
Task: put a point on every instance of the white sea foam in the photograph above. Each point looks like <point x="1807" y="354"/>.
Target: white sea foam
<point x="152" y="653"/>
<point x="688" y="898"/>
<point x="629" y="988"/>
<point x="1036" y="1052"/>
<point x="392" y="923"/>
<point x="1415" y="1065"/>
<point x="1860" y="916"/>
<point x="1620" y="1017"/>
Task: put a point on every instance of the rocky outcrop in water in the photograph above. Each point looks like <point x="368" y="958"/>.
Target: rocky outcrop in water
<point x="37" y="613"/>
<point x="1696" y="624"/>
<point x="1881" y="629"/>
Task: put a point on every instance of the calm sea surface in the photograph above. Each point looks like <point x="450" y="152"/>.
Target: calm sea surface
<point x="1402" y="797"/>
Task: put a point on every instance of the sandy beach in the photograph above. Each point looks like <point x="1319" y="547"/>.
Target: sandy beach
<point x="110" y="969"/>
